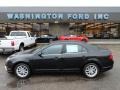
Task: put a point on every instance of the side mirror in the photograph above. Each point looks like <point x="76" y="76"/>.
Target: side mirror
<point x="41" y="54"/>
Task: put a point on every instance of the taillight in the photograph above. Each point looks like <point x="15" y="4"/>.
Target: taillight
<point x="12" y="43"/>
<point x="111" y="57"/>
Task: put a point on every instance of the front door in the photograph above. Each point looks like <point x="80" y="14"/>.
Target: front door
<point x="49" y="59"/>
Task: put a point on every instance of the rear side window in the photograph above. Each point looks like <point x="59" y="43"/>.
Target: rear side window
<point x="71" y="48"/>
<point x="75" y="48"/>
<point x="81" y="49"/>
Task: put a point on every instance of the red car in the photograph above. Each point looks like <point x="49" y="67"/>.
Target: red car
<point x="74" y="37"/>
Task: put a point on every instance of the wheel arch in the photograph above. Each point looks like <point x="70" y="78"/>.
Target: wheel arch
<point x="15" y="64"/>
<point x="93" y="60"/>
<point x="22" y="43"/>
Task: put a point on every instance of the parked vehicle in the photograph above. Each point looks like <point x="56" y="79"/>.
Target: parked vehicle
<point x="90" y="36"/>
<point x="46" y="38"/>
<point x="17" y="40"/>
<point x="2" y="34"/>
<point x="74" y="37"/>
<point x="61" y="56"/>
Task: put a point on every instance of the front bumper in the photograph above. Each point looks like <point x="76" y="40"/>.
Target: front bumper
<point x="9" y="70"/>
<point x="8" y="66"/>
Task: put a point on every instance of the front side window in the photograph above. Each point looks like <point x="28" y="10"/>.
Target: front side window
<point x="54" y="49"/>
<point x="75" y="48"/>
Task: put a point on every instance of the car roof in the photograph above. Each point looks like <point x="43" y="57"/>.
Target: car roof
<point x="19" y="31"/>
<point x="86" y="45"/>
<point x="68" y="41"/>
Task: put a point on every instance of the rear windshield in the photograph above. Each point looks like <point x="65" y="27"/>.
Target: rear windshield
<point x="97" y="47"/>
<point x="17" y="34"/>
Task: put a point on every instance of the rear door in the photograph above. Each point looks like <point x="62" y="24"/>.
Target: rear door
<point x="73" y="56"/>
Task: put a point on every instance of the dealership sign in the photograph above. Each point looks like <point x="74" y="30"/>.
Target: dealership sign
<point x="57" y="16"/>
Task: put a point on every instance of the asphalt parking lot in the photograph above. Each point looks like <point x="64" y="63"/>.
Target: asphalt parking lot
<point x="64" y="81"/>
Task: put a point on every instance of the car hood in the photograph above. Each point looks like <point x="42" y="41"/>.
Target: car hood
<point x="22" y="53"/>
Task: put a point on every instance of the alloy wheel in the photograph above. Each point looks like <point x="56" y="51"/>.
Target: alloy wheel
<point x="22" y="70"/>
<point x="91" y="70"/>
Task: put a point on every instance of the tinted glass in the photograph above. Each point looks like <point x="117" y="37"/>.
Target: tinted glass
<point x="81" y="49"/>
<point x="55" y="49"/>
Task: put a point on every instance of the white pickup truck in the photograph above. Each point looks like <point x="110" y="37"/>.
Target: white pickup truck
<point x="17" y="40"/>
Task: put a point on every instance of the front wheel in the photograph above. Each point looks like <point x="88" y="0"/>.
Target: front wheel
<point x="84" y="40"/>
<point x="22" y="70"/>
<point x="91" y="70"/>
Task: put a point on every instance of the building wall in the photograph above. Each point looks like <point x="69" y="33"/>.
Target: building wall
<point x="59" y="28"/>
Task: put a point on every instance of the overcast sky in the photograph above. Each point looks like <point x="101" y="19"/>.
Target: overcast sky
<point x="59" y="3"/>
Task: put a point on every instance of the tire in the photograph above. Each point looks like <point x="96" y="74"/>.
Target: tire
<point x="21" y="48"/>
<point x="84" y="40"/>
<point x="22" y="70"/>
<point x="91" y="70"/>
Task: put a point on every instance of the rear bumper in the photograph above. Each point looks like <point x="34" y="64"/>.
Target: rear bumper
<point x="103" y="69"/>
<point x="10" y="49"/>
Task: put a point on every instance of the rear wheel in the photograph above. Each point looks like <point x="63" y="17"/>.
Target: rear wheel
<point x="22" y="70"/>
<point x="91" y="70"/>
<point x="21" y="48"/>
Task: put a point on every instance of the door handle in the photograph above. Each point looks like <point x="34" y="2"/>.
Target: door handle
<point x="56" y="58"/>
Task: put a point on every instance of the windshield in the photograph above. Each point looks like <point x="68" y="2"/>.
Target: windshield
<point x="17" y="34"/>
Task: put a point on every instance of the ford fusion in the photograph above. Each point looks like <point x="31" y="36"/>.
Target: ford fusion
<point x="61" y="56"/>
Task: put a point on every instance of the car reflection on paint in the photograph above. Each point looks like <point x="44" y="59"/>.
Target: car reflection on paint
<point x="61" y="56"/>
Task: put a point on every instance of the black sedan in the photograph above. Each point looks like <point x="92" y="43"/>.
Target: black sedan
<point x="46" y="38"/>
<point x="61" y="56"/>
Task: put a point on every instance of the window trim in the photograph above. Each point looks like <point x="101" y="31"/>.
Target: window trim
<point x="28" y="34"/>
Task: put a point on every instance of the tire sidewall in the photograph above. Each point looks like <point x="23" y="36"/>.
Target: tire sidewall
<point x="21" y="48"/>
<point x="98" y="70"/>
<point x="29" y="71"/>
